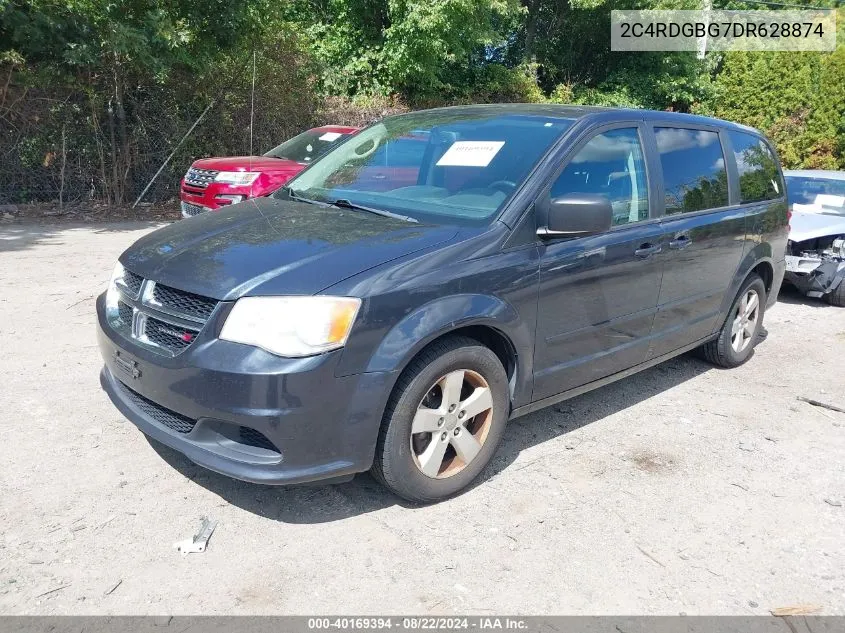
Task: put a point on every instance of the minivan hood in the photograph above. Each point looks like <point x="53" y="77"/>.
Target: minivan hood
<point x="274" y="247"/>
<point x="250" y="163"/>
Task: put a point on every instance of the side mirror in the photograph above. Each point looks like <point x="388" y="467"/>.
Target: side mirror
<point x="577" y="215"/>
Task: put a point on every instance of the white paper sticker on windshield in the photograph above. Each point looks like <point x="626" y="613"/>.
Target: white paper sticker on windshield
<point x="470" y="153"/>
<point x="330" y="136"/>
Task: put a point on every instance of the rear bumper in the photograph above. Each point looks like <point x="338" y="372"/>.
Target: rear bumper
<point x="209" y="401"/>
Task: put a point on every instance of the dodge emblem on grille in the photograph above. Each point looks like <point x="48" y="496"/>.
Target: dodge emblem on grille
<point x="185" y="336"/>
<point x="128" y="367"/>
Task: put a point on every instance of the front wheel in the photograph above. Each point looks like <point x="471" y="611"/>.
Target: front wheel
<point x="837" y="297"/>
<point x="443" y="422"/>
<point x="741" y="330"/>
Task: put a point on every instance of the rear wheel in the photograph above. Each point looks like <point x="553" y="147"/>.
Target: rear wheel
<point x="741" y="330"/>
<point x="443" y="422"/>
<point x="837" y="297"/>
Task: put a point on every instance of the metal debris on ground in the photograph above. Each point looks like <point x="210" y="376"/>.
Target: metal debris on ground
<point x="114" y="586"/>
<point x="106" y="522"/>
<point x="199" y="541"/>
<point x="47" y="593"/>
<point x="823" y="405"/>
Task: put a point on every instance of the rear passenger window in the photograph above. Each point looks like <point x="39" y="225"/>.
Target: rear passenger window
<point x="759" y="177"/>
<point x="694" y="173"/>
<point x="610" y="164"/>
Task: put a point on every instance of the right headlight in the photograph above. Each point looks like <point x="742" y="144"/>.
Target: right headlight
<point x="236" y="177"/>
<point x="111" y="292"/>
<point x="292" y="326"/>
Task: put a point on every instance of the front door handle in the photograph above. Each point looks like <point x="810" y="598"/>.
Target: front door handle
<point x="647" y="250"/>
<point x="680" y="242"/>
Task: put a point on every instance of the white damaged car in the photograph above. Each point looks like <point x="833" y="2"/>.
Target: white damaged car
<point x="815" y="253"/>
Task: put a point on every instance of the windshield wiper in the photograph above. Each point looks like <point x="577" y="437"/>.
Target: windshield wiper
<point x="295" y="196"/>
<point x="343" y="203"/>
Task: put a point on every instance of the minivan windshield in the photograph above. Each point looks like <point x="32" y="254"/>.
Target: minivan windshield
<point x="827" y="193"/>
<point x="307" y="146"/>
<point x="454" y="165"/>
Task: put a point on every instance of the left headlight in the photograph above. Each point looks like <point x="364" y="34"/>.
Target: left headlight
<point x="236" y="177"/>
<point x="292" y="326"/>
<point x="111" y="291"/>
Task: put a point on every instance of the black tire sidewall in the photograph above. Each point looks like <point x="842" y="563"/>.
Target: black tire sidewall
<point x="399" y="471"/>
<point x="837" y="297"/>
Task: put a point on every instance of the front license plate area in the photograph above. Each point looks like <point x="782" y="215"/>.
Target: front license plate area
<point x="127" y="366"/>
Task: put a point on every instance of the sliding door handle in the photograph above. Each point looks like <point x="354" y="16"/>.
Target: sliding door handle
<point x="680" y="242"/>
<point x="647" y="250"/>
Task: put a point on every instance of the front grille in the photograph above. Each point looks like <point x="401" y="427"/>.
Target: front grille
<point x="165" y="319"/>
<point x="200" y="178"/>
<point x="164" y="416"/>
<point x="172" y="337"/>
<point x="132" y="282"/>
<point x="251" y="437"/>
<point x="190" y="210"/>
<point x="124" y="313"/>
<point x="184" y="302"/>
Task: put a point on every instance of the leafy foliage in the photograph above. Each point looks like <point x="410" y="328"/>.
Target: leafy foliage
<point x="112" y="86"/>
<point x="798" y="99"/>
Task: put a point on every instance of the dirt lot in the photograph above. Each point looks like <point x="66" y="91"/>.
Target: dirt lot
<point x="682" y="489"/>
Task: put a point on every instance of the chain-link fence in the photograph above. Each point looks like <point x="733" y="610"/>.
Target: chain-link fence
<point x="77" y="145"/>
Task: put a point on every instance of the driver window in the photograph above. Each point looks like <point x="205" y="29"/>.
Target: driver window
<point x="610" y="164"/>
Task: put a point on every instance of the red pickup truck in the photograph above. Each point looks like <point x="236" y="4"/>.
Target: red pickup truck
<point x="212" y="183"/>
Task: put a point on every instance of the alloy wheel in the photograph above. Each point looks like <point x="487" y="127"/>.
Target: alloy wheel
<point x="745" y="321"/>
<point x="451" y="424"/>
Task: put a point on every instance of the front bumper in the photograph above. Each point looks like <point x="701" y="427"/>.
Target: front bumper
<point x="189" y="209"/>
<point x="208" y="198"/>
<point x="815" y="277"/>
<point x="209" y="401"/>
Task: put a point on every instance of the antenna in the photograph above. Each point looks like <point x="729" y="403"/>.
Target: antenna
<point x="702" y="43"/>
<point x="252" y="103"/>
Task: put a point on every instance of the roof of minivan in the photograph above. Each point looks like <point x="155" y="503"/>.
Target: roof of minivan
<point x="574" y="112"/>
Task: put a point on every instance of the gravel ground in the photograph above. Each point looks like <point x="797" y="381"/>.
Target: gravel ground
<point x="682" y="489"/>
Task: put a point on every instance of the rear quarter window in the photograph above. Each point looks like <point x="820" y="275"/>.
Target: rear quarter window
<point x="694" y="174"/>
<point x="759" y="176"/>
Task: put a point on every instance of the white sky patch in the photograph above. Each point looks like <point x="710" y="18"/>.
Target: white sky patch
<point x="828" y="200"/>
<point x="673" y="139"/>
<point x="606" y="148"/>
<point x="330" y="136"/>
<point x="470" y="153"/>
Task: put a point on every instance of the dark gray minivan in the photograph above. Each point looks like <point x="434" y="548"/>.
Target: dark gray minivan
<point x="436" y="275"/>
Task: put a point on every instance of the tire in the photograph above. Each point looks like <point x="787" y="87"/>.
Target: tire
<point x="723" y="351"/>
<point x="422" y="399"/>
<point x="837" y="297"/>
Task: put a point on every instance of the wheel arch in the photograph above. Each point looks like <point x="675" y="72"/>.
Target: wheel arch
<point x="757" y="260"/>
<point x="486" y="319"/>
<point x="766" y="272"/>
